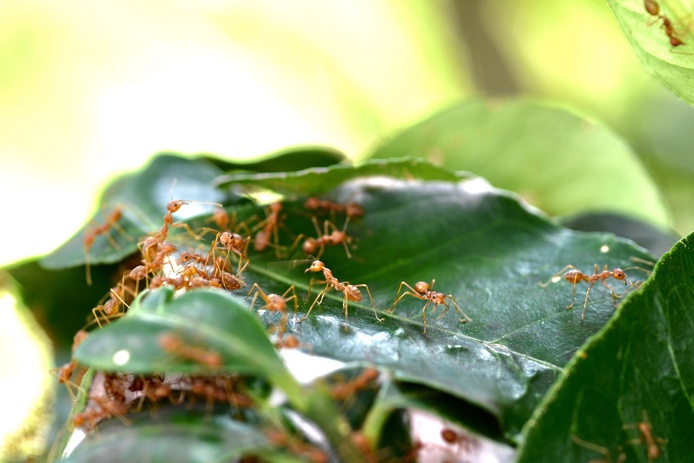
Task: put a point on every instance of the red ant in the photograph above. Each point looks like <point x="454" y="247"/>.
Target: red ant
<point x="352" y="210"/>
<point x="173" y="345"/>
<point x="268" y="227"/>
<point x="653" y="444"/>
<point x="311" y="245"/>
<point x="351" y="292"/>
<point x="275" y="303"/>
<point x="163" y="233"/>
<point x="575" y="276"/>
<point x="117" y="296"/>
<point x="64" y="373"/>
<point x="653" y="8"/>
<point x="89" y="237"/>
<point x="233" y="242"/>
<point x="348" y="389"/>
<point x="425" y="291"/>
<point x="97" y="409"/>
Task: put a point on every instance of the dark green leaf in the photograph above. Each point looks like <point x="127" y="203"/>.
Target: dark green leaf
<point x="214" y="319"/>
<point x="638" y="367"/>
<point x="654" y="239"/>
<point x="321" y="180"/>
<point x="542" y="153"/>
<point x="142" y="199"/>
<point x="287" y="160"/>
<point x="61" y="300"/>
<point x="487" y="250"/>
<point x="671" y="67"/>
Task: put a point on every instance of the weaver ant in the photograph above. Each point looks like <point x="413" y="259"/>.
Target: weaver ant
<point x="268" y="228"/>
<point x="458" y="440"/>
<point x="64" y="373"/>
<point x="653" y="9"/>
<point x="173" y="345"/>
<point x="348" y="389"/>
<point x="275" y="303"/>
<point x="99" y="408"/>
<point x="351" y="210"/>
<point x="653" y="444"/>
<point x="160" y="236"/>
<point x="334" y="238"/>
<point x="575" y="276"/>
<point x="425" y="291"/>
<point x="351" y="292"/>
<point x="90" y="236"/>
<point x="117" y="296"/>
<point x="605" y="452"/>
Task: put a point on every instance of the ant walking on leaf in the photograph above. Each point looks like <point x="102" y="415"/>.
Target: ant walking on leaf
<point x="653" y="8"/>
<point x="328" y="238"/>
<point x="575" y="276"/>
<point x="351" y="292"/>
<point x="653" y="444"/>
<point x="111" y="222"/>
<point x="275" y="303"/>
<point x="425" y="291"/>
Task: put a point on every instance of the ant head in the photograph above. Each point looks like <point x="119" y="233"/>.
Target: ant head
<point x="275" y="208"/>
<point x="619" y="274"/>
<point x="316" y="266"/>
<point x="421" y="287"/>
<point x="174" y="206"/>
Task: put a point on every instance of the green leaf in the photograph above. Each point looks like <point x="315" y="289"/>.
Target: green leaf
<point x="542" y="153"/>
<point x="172" y="435"/>
<point x="669" y="66"/>
<point x="218" y="321"/>
<point x="638" y="367"/>
<point x="290" y="159"/>
<point x="316" y="181"/>
<point x="654" y="239"/>
<point x="63" y="304"/>
<point x="488" y="251"/>
<point x="142" y="199"/>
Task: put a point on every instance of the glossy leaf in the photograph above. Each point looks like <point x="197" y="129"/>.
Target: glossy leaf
<point x="486" y="249"/>
<point x="669" y="66"/>
<point x="317" y="181"/>
<point x="172" y="435"/>
<point x="219" y="322"/>
<point x="638" y="369"/>
<point x="544" y="154"/>
<point x="656" y="240"/>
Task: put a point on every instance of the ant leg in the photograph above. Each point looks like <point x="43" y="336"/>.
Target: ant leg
<point x="372" y="301"/>
<point x="424" y="316"/>
<point x="411" y="292"/>
<point x="322" y="293"/>
<point x="459" y="311"/>
<point x="585" y="302"/>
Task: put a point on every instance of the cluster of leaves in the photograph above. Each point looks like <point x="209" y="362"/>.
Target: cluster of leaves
<point x="526" y="372"/>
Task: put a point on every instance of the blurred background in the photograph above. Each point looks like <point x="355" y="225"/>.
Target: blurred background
<point x="89" y="90"/>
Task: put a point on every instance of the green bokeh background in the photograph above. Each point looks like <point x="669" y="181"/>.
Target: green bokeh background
<point x="91" y="89"/>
